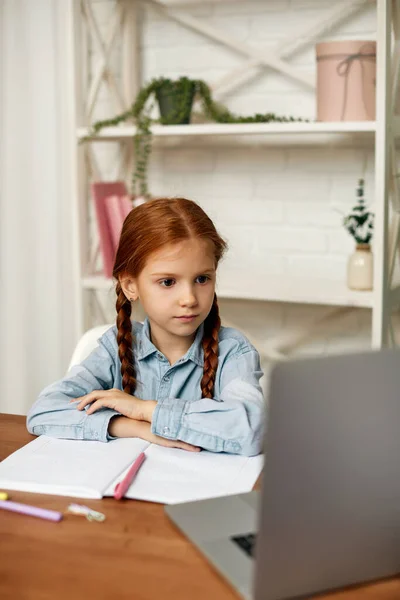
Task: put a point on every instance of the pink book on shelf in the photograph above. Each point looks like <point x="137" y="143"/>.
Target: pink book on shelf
<point x="117" y="208"/>
<point x="100" y="191"/>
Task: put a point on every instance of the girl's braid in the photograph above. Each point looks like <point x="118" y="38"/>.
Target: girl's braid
<point x="212" y="325"/>
<point x="125" y="341"/>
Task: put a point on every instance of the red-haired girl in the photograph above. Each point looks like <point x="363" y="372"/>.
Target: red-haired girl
<point x="180" y="379"/>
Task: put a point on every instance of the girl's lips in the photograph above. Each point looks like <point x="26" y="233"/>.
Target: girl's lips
<point x="188" y="318"/>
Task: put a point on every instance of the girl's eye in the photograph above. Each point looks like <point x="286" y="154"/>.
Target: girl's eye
<point x="167" y="282"/>
<point x="202" y="279"/>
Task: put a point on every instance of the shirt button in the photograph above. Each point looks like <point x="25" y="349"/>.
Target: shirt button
<point x="166" y="429"/>
<point x="167" y="378"/>
<point x="159" y="356"/>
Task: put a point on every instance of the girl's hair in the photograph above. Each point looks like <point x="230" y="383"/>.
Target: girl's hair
<point x="148" y="228"/>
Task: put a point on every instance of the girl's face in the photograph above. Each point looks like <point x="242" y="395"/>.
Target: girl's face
<point x="176" y="287"/>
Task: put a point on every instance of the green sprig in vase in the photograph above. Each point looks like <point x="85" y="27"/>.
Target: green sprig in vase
<point x="360" y="224"/>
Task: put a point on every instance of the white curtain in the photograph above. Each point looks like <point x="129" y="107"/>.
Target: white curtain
<point x="37" y="294"/>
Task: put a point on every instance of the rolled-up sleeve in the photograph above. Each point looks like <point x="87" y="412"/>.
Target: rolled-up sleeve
<point x="55" y="415"/>
<point x="233" y="422"/>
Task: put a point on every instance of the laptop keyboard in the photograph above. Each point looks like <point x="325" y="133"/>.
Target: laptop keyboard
<point x="245" y="542"/>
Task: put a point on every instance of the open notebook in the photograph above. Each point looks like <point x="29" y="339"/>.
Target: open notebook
<point x="86" y="469"/>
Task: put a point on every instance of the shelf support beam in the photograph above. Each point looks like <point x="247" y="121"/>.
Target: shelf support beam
<point x="289" y="46"/>
<point x="105" y="48"/>
<point x="268" y="59"/>
<point x="381" y="310"/>
<point x="394" y="236"/>
<point x="280" y="347"/>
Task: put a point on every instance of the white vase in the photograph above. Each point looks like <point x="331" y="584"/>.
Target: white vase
<point x="360" y="270"/>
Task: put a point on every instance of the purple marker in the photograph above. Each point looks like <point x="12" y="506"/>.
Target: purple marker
<point x="33" y="511"/>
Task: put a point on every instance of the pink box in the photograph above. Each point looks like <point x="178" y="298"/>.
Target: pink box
<point x="346" y="80"/>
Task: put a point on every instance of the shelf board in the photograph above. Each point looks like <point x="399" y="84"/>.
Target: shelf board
<point x="290" y="289"/>
<point x="221" y="129"/>
<point x="272" y="289"/>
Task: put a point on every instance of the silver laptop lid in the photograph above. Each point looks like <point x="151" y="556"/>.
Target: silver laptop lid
<point x="330" y="512"/>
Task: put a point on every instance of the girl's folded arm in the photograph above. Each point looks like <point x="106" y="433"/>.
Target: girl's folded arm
<point x="55" y="415"/>
<point x="233" y="422"/>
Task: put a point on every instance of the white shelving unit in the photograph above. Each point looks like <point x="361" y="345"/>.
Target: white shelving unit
<point x="382" y="134"/>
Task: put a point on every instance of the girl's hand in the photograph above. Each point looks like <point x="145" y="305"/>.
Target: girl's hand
<point x="122" y="427"/>
<point x="156" y="439"/>
<point x="127" y="405"/>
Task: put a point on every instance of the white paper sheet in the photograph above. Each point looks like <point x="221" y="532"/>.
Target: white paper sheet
<point x="171" y="475"/>
<point x="81" y="469"/>
<point x="86" y="469"/>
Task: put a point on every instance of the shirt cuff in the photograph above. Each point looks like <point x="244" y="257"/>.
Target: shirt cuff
<point x="96" y="425"/>
<point x="167" y="417"/>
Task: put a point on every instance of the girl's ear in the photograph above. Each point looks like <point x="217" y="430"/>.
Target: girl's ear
<point x="129" y="287"/>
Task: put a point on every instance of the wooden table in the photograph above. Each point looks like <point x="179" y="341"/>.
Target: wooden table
<point x="136" y="553"/>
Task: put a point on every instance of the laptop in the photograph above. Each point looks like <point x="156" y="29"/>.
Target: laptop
<point x="328" y="514"/>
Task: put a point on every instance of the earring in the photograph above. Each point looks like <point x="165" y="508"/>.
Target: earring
<point x="133" y="299"/>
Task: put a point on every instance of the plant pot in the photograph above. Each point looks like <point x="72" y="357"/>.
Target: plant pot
<point x="360" y="268"/>
<point x="175" y="100"/>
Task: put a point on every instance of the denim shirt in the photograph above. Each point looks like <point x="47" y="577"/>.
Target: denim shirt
<point x="232" y="421"/>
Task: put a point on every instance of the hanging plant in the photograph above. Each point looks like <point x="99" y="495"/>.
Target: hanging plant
<point x="175" y="100"/>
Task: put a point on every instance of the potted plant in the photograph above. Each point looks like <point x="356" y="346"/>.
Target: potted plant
<point x="360" y="224"/>
<point x="175" y="99"/>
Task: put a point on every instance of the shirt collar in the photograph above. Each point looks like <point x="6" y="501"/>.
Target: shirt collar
<point x="145" y="347"/>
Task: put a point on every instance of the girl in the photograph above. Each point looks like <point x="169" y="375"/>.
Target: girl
<point x="179" y="379"/>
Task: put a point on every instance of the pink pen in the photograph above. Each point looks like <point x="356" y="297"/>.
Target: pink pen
<point x="122" y="487"/>
<point x="33" y="511"/>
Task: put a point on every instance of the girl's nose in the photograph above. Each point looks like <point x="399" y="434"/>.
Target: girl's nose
<point x="188" y="298"/>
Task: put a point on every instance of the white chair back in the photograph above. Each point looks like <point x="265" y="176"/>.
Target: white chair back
<point x="87" y="343"/>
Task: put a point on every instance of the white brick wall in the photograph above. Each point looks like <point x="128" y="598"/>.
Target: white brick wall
<point x="274" y="204"/>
